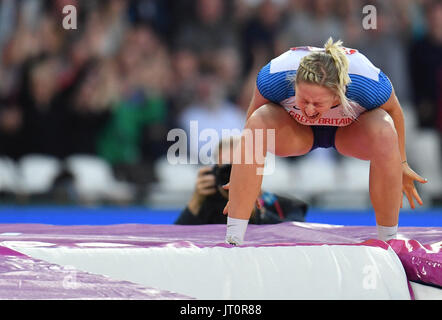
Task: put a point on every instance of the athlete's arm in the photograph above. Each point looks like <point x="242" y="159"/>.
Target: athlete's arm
<point x="393" y="108"/>
<point x="257" y="101"/>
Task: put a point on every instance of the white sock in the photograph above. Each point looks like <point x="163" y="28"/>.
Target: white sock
<point x="387" y="233"/>
<point x="236" y="230"/>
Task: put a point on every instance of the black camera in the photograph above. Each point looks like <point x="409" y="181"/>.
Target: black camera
<point x="222" y="174"/>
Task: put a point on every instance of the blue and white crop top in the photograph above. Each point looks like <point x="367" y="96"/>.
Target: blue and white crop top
<point x="369" y="87"/>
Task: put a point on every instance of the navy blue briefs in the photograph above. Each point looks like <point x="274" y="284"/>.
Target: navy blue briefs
<point x="323" y="136"/>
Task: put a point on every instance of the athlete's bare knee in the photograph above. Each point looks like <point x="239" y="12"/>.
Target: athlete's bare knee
<point x="263" y="117"/>
<point x="383" y="136"/>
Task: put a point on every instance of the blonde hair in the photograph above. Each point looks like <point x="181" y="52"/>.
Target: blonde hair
<point x="328" y="68"/>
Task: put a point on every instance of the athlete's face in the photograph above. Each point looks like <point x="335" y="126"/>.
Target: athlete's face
<point x="314" y="100"/>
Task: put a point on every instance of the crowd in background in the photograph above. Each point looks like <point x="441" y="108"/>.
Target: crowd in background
<point x="134" y="69"/>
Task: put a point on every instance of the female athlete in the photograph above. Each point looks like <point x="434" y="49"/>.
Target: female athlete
<point x="320" y="98"/>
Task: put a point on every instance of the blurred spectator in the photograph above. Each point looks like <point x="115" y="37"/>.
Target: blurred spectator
<point x="129" y="128"/>
<point x="135" y="68"/>
<point x="227" y="66"/>
<point x="89" y="106"/>
<point x="260" y="34"/>
<point x="44" y="114"/>
<point x="155" y="13"/>
<point x="211" y="110"/>
<point x="312" y="23"/>
<point x="186" y="67"/>
<point x="209" y="31"/>
<point x="385" y="47"/>
<point x="11" y="129"/>
<point x="106" y="27"/>
<point x="426" y="70"/>
<point x="7" y="20"/>
<point x="132" y="139"/>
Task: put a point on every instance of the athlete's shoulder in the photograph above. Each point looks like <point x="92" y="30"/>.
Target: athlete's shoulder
<point x="289" y="60"/>
<point x="360" y="65"/>
<point x="275" y="79"/>
<point x="369" y="86"/>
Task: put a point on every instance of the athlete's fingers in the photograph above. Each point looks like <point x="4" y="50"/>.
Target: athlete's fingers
<point x="226" y="208"/>
<point x="418" y="198"/>
<point x="410" y="199"/>
<point x="414" y="176"/>
<point x="226" y="186"/>
<point x="419" y="178"/>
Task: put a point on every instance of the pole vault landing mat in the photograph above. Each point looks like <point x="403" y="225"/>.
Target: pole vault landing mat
<point x="286" y="261"/>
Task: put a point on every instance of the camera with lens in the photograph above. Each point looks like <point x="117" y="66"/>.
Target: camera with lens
<point x="222" y="174"/>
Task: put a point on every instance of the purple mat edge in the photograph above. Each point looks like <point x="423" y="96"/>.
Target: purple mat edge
<point x="422" y="261"/>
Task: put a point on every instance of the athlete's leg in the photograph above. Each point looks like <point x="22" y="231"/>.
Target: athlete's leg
<point x="373" y="137"/>
<point x="291" y="138"/>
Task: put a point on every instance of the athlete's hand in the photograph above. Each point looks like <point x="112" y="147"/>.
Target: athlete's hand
<point x="408" y="187"/>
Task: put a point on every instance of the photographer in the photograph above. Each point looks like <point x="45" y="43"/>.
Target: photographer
<point x="209" y="199"/>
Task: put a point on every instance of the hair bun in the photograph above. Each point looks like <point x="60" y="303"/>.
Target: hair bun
<point x="336" y="50"/>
